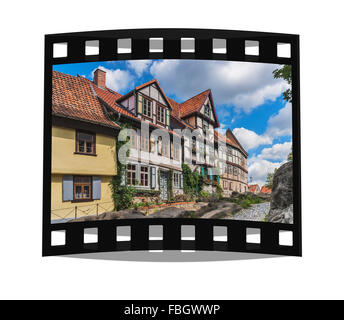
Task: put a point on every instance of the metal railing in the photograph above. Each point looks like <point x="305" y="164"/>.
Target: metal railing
<point x="77" y="211"/>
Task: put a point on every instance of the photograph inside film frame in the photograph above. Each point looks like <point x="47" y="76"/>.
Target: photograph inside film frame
<point x="171" y="139"/>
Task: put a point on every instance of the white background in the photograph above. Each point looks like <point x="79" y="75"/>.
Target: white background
<point x="25" y="274"/>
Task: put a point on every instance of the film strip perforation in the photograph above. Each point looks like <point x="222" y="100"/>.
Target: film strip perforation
<point x="159" y="46"/>
<point x="137" y="236"/>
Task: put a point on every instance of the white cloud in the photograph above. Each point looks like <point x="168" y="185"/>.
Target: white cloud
<point x="117" y="79"/>
<point x="278" y="152"/>
<point x="249" y="139"/>
<point x="258" y="169"/>
<point x="222" y="129"/>
<point x="245" y="85"/>
<point x="139" y="66"/>
<point x="281" y="124"/>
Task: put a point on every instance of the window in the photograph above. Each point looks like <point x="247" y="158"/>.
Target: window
<point x="82" y="188"/>
<point x="163" y="147"/>
<point x="145" y="143"/>
<point x="235" y="171"/>
<point x="194" y="144"/>
<point x="160" y="145"/>
<point x="161" y="114"/>
<point x="85" y="143"/>
<point x="229" y="154"/>
<point x="133" y="138"/>
<point x="207" y="110"/>
<point x="147" y="107"/>
<point x="205" y="125"/>
<point x="152" y="145"/>
<point x="176" y="151"/>
<point x="131" y="174"/>
<point x="176" y="180"/>
<point x="144" y="176"/>
<point x="229" y="169"/>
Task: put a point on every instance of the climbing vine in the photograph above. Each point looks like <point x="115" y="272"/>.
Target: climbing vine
<point x="122" y="195"/>
<point x="192" y="181"/>
<point x="170" y="184"/>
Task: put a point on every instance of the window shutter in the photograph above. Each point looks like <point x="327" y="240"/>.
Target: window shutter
<point x="202" y="171"/>
<point x="152" y="177"/>
<point x="181" y="181"/>
<point x="67" y="188"/>
<point x="96" y="188"/>
<point x="139" y="104"/>
<point x="167" y="117"/>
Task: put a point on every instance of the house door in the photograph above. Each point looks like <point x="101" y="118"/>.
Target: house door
<point x="164" y="185"/>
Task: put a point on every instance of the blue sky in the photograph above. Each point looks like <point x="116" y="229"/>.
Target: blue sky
<point x="248" y="100"/>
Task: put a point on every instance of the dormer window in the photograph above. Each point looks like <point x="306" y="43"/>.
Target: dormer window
<point x="207" y="110"/>
<point x="147" y="107"/>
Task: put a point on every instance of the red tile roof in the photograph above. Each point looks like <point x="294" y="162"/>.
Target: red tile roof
<point x="110" y="97"/>
<point x="265" y="189"/>
<point x="175" y="108"/>
<point x="253" y="187"/>
<point x="72" y="97"/>
<point x="77" y="97"/>
<point x="193" y="104"/>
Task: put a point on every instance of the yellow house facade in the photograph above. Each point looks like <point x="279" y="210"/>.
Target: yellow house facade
<point x="83" y="158"/>
<point x="76" y="176"/>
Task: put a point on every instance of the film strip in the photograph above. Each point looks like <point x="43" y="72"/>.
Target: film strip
<point x="199" y="44"/>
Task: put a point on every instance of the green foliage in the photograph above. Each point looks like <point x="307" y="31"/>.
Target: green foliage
<point x="204" y="194"/>
<point x="170" y="184"/>
<point x="122" y="196"/>
<point x="245" y="201"/>
<point x="270" y="179"/>
<point x="146" y="193"/>
<point x="145" y="204"/>
<point x="290" y="156"/>
<point x="285" y="74"/>
<point x="219" y="190"/>
<point x="192" y="181"/>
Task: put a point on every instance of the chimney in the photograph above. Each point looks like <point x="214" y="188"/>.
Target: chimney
<point x="99" y="78"/>
<point x="229" y="133"/>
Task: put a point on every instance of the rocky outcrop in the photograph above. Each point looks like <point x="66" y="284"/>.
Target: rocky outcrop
<point x="281" y="206"/>
<point x="224" y="210"/>
<point x="170" y="212"/>
<point x="122" y="214"/>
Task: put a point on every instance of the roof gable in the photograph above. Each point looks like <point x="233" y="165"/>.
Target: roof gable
<point x="195" y="104"/>
<point x="73" y="97"/>
<point x="153" y="82"/>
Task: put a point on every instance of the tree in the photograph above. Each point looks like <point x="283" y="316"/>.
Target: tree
<point x="270" y="179"/>
<point x="285" y="74"/>
<point x="290" y="156"/>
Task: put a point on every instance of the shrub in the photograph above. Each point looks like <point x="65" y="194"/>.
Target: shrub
<point x="204" y="194"/>
<point x="122" y="195"/>
<point x="192" y="181"/>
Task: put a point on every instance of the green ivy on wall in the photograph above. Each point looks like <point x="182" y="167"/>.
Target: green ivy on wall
<point x="192" y="181"/>
<point x="122" y="195"/>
